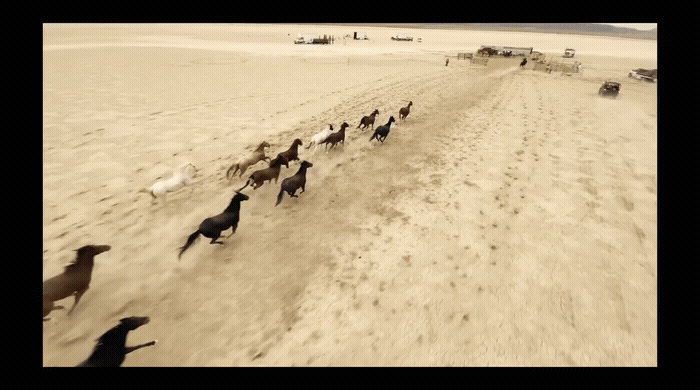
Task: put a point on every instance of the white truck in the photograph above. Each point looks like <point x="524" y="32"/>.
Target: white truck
<point x="401" y="38"/>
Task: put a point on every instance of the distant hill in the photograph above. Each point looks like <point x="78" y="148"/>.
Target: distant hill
<point x="558" y="28"/>
<point x="572" y="28"/>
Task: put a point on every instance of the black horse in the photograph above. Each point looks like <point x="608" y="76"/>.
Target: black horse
<point x="111" y="348"/>
<point x="524" y="61"/>
<point x="381" y="132"/>
<point x="212" y="227"/>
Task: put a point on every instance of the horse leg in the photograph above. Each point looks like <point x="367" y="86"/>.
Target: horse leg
<point x="135" y="347"/>
<point x="302" y="188"/>
<point x="78" y="295"/>
<point x="214" y="237"/>
<point x="233" y="230"/>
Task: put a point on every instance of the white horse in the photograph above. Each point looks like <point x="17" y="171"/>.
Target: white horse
<point x="320" y="137"/>
<point x="181" y="178"/>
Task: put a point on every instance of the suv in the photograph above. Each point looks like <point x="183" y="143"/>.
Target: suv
<point x="609" y="88"/>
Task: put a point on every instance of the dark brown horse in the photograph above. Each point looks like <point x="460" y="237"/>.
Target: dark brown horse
<point x="74" y="280"/>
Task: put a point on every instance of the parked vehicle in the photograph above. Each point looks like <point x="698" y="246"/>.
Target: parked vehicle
<point x="643" y="74"/>
<point x="401" y="38"/>
<point x="610" y="89"/>
<point x="569" y="53"/>
<point x="306" y="38"/>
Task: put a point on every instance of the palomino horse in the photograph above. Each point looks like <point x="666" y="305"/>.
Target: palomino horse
<point x="244" y="162"/>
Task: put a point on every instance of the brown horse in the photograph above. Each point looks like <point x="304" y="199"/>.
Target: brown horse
<point x="74" y="280"/>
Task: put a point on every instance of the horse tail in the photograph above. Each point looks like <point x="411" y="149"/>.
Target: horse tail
<point x="309" y="144"/>
<point x="232" y="173"/>
<point x="190" y="240"/>
<point x="279" y="197"/>
<point x="247" y="183"/>
<point x="373" y="135"/>
<point x="148" y="191"/>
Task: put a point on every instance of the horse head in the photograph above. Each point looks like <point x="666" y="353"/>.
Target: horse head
<point x="188" y="169"/>
<point x="132" y="323"/>
<point x="92" y="250"/>
<point x="262" y="146"/>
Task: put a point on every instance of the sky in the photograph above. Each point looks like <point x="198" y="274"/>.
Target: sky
<point x="638" y="26"/>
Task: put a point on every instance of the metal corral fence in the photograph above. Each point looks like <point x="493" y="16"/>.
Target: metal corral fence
<point x="480" y="61"/>
<point x="466" y="56"/>
<point x="563" y="67"/>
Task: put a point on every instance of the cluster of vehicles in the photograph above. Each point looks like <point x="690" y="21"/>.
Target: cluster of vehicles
<point x="311" y="39"/>
<point x="612" y="89"/>
<point x="317" y="39"/>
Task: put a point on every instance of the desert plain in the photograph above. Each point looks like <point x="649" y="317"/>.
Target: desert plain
<point x="510" y="220"/>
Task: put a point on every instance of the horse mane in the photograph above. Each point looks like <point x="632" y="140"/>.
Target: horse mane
<point x="278" y="161"/>
<point x="113" y="335"/>
<point x="260" y="147"/>
<point x="182" y="169"/>
<point x="234" y="206"/>
<point x="71" y="266"/>
<point x="76" y="263"/>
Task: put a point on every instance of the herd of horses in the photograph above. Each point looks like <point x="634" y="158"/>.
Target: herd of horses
<point x="111" y="349"/>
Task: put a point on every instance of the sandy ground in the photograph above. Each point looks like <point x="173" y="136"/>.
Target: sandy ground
<point x="510" y="220"/>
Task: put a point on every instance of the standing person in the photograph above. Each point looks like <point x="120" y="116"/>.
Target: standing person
<point x="447" y="61"/>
